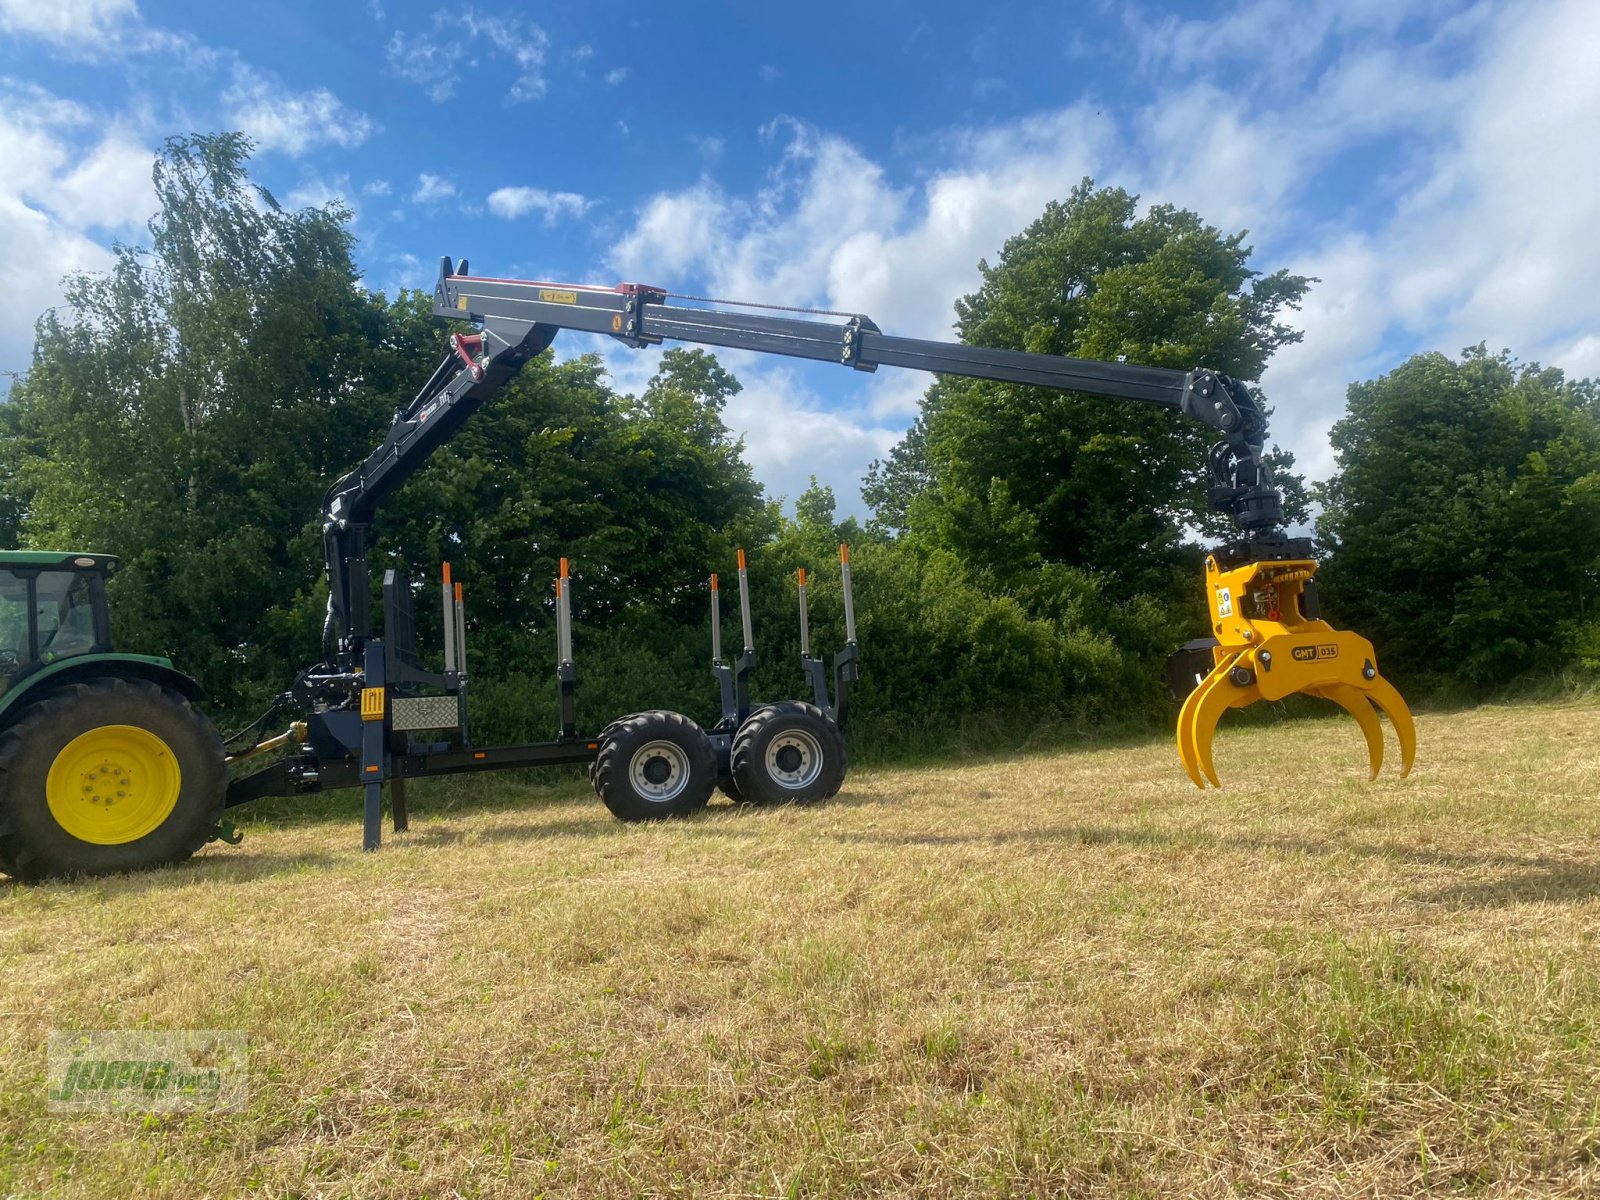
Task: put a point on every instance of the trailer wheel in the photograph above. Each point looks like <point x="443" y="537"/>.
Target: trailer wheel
<point x="725" y="780"/>
<point x="789" y="753"/>
<point x="594" y="763"/>
<point x="654" y="765"/>
<point x="107" y="776"/>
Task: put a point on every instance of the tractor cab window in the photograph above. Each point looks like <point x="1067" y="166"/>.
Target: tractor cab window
<point x="14" y="649"/>
<point x="65" y="606"/>
<point x="44" y="616"/>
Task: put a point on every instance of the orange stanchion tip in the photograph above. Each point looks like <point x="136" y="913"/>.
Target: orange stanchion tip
<point x="802" y="573"/>
<point x="458" y="593"/>
<point x="741" y="560"/>
<point x="844" y="552"/>
<point x="563" y="568"/>
<point x="447" y="572"/>
<point x="713" y="581"/>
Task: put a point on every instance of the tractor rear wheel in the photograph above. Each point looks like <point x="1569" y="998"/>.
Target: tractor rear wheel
<point x="654" y="765"/>
<point x="106" y="776"/>
<point x="788" y="753"/>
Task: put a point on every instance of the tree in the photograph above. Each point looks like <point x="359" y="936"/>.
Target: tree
<point x="1463" y="521"/>
<point x="1104" y="485"/>
<point x="186" y="408"/>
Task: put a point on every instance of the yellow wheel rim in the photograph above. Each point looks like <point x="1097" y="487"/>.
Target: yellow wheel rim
<point x="113" y="784"/>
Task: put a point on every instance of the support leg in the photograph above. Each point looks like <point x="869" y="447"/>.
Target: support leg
<point x="397" y="804"/>
<point x="372" y="825"/>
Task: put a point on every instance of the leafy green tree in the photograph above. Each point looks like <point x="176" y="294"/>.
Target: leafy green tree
<point x="184" y="410"/>
<point x="996" y="470"/>
<point x="1463" y="521"/>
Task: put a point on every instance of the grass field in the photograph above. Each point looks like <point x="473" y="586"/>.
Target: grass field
<point x="1065" y="974"/>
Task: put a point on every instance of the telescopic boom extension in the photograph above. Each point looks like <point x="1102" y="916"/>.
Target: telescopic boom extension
<point x="1269" y="639"/>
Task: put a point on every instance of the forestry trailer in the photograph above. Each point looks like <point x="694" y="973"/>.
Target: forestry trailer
<point x="107" y="764"/>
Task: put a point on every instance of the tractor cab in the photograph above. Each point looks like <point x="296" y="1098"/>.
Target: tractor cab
<point x="52" y="606"/>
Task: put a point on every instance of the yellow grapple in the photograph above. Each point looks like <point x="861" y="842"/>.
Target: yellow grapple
<point x="1268" y="648"/>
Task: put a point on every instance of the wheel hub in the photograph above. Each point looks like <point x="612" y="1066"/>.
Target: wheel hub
<point x="113" y="784"/>
<point x="659" y="771"/>
<point x="794" y="759"/>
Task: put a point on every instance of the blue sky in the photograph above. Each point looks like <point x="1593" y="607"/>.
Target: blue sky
<point x="1432" y="162"/>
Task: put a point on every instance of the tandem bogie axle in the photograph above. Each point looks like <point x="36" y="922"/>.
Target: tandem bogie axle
<point x="393" y="721"/>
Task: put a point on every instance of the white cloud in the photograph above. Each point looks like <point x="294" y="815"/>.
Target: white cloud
<point x="512" y="202"/>
<point x="431" y="189"/>
<point x="291" y="122"/>
<point x="616" y="75"/>
<point x="432" y="59"/>
<point x="427" y="61"/>
<point x="79" y="27"/>
<point x="319" y="193"/>
<point x="378" y="187"/>
<point x="1484" y="230"/>
<point x="63" y="179"/>
<point x="96" y="30"/>
<point x="674" y="234"/>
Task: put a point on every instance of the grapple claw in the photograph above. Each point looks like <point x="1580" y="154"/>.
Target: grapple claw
<point x="1271" y="643"/>
<point x="1385" y="696"/>
<point x="1197" y="724"/>
<point x="1354" y="703"/>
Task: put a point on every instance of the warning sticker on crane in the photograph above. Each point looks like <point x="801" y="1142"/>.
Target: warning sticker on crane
<point x="553" y="297"/>
<point x="1224" y="602"/>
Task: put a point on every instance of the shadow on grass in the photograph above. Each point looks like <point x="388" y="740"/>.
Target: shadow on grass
<point x="1541" y="882"/>
<point x="1537" y="877"/>
<point x="554" y="786"/>
<point x="225" y="864"/>
<point x="445" y="834"/>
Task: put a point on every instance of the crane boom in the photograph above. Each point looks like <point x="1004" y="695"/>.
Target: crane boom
<point x="519" y="318"/>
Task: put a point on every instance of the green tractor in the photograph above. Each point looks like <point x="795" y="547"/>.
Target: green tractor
<point x="106" y="764"/>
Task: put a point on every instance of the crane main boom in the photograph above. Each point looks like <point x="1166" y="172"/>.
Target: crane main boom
<point x="519" y="318"/>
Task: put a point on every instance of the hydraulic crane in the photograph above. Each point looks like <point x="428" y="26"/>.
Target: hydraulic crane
<point x="1269" y="639"/>
<point x="120" y="770"/>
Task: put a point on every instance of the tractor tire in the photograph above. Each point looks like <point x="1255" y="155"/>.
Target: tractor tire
<point x="725" y="781"/>
<point x="107" y="776"/>
<point x="655" y="765"/>
<point x="788" y="753"/>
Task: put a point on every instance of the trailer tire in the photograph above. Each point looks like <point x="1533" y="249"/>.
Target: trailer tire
<point x="74" y="756"/>
<point x="789" y="753"/>
<point x="594" y="763"/>
<point x="725" y="781"/>
<point x="654" y="765"/>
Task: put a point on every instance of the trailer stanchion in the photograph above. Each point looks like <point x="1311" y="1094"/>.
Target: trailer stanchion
<point x="566" y="674"/>
<point x="448" y="596"/>
<point x="458" y="634"/>
<point x="805" y="617"/>
<point x="849" y="595"/>
<point x="723" y="672"/>
<point x="815" y="670"/>
<point x="846" y="663"/>
<point x="747" y="660"/>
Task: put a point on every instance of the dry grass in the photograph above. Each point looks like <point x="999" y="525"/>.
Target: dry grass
<point x="1070" y="974"/>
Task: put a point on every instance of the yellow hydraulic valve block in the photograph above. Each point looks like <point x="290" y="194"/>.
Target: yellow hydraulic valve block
<point x="1268" y="649"/>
